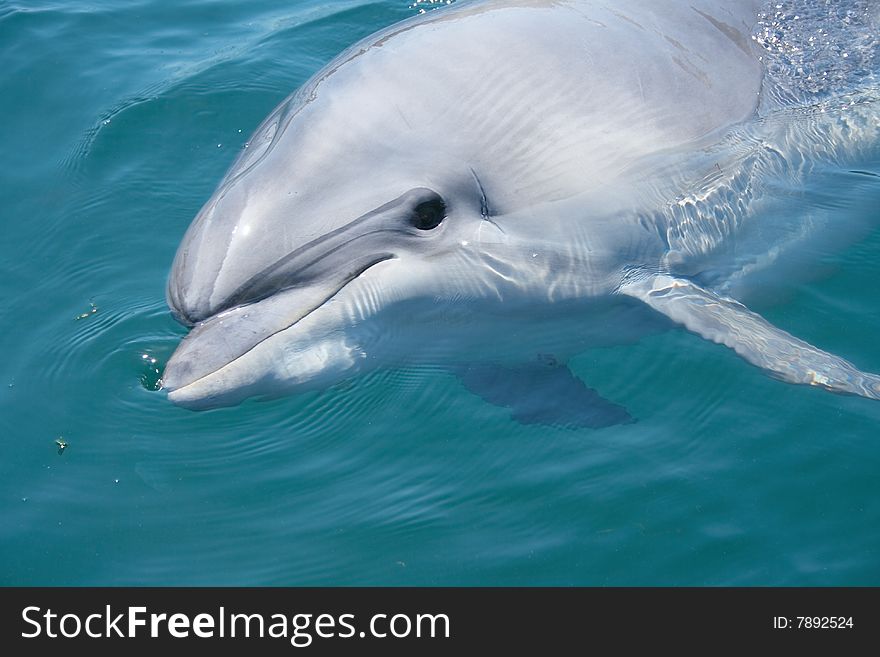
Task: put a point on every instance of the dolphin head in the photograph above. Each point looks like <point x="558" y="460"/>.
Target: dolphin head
<point x="324" y="221"/>
<point x="274" y="279"/>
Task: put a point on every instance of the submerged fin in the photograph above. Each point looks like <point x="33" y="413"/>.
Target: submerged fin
<point x="730" y="323"/>
<point x="542" y="392"/>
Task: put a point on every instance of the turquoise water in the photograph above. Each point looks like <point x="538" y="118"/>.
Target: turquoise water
<point x="118" y="120"/>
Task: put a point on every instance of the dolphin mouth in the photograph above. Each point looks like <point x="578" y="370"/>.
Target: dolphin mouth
<point x="218" y="341"/>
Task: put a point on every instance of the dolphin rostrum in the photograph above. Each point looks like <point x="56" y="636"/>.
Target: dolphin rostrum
<point x="500" y="179"/>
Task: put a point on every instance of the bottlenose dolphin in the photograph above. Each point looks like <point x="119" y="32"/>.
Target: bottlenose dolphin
<point x="501" y="179"/>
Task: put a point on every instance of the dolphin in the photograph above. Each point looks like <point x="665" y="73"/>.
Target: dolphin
<point x="506" y="183"/>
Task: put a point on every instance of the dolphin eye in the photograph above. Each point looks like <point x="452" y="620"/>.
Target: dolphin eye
<point x="427" y="215"/>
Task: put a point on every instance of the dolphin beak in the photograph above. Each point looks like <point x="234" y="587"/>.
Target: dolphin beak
<point x="219" y="341"/>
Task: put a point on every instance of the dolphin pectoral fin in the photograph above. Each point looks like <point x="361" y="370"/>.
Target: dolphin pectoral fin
<point x="730" y="323"/>
<point x="542" y="392"/>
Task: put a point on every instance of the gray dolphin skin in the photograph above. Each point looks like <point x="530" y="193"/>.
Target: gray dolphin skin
<point x="500" y="180"/>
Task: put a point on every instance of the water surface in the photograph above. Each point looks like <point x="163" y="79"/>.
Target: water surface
<point x="118" y="120"/>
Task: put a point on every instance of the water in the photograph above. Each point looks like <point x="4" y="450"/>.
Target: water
<point x="118" y="120"/>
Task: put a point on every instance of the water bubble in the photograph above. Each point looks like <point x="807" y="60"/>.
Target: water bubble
<point x="151" y="372"/>
<point x="92" y="310"/>
<point x="434" y="4"/>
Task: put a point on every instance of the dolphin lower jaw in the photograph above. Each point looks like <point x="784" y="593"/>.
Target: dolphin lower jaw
<point x="210" y="360"/>
<point x="276" y="364"/>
